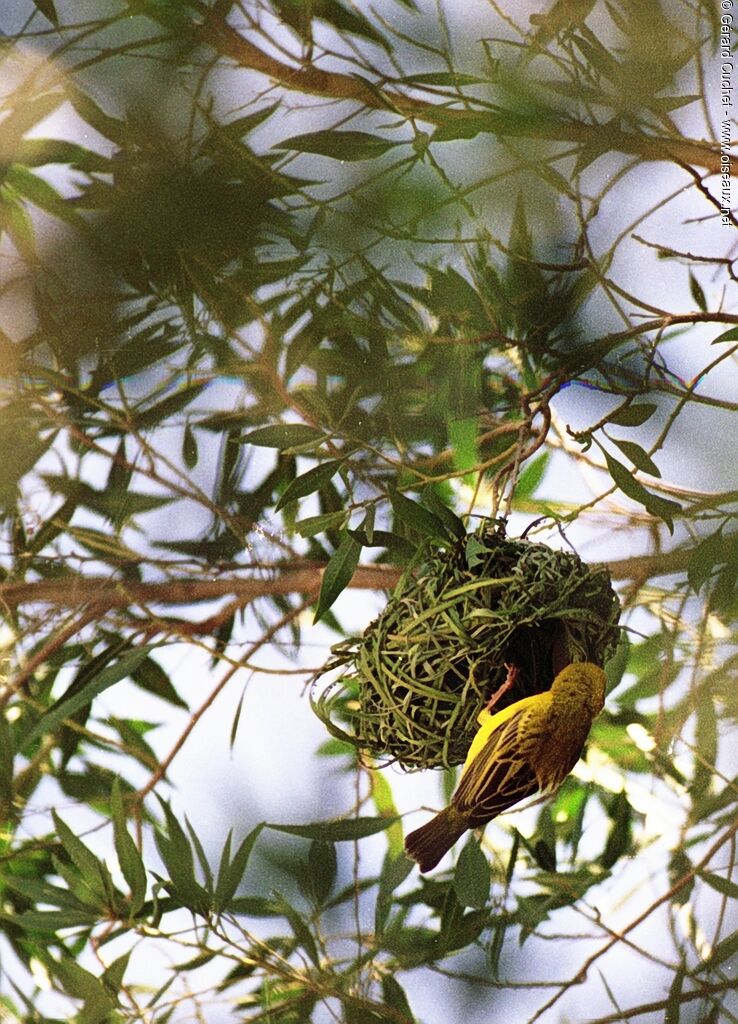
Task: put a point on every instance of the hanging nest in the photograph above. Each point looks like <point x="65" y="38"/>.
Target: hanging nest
<point x="413" y="684"/>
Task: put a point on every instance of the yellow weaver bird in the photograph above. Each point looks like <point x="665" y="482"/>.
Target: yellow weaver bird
<point x="527" y="747"/>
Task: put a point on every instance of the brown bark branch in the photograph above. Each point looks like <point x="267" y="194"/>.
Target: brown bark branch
<point x="303" y="579"/>
<point x="107" y="594"/>
<point x="705" y="989"/>
<point x="226" y="41"/>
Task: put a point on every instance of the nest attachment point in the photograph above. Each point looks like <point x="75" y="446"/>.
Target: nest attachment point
<point x="412" y="686"/>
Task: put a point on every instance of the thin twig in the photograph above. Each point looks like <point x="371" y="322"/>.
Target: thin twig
<point x="47" y="650"/>
<point x="161" y="771"/>
<point x="666" y="897"/>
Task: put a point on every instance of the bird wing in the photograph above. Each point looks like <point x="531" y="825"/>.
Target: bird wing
<point x="501" y="774"/>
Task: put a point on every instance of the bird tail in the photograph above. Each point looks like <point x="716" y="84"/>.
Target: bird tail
<point x="430" y="842"/>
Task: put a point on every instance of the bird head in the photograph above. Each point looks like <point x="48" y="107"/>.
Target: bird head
<point x="582" y="682"/>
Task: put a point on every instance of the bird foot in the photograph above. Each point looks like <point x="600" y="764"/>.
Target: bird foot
<point x="512" y="674"/>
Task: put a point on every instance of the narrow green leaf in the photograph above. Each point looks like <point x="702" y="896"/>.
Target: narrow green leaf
<point x="195" y="962"/>
<point x="339" y="145"/>
<point x="347" y="18"/>
<point x="443" y="78"/>
<point x="395" y="997"/>
<point x="284" y="435"/>
<point x="201" y="858"/>
<point x="725" y="950"/>
<point x="453" y="297"/>
<point x="78" y="983"/>
<point x="155" y="414"/>
<point x="731" y="335"/>
<point x="695" y="290"/>
<point x="39" y="192"/>
<point x="367" y="525"/>
<point x="472" y="876"/>
<point x="512" y="859"/>
<point x="382" y="539"/>
<point x="672" y="1010"/>
<point x="7" y="757"/>
<point x="662" y="508"/>
<point x="299" y="926"/>
<point x="632" y="415"/>
<point x="241" y="126"/>
<point x="454" y="525"/>
<point x="462" y="436"/>
<point x="338" y="573"/>
<point x="86" y="896"/>
<point x="313" y="525"/>
<point x="335" y="748"/>
<point x="619" y="835"/>
<point x="150" y="676"/>
<point x="495" y="945"/>
<point x="132" y="733"/>
<point x="475" y="551"/>
<point x="722" y="885"/>
<point x="116" y="502"/>
<point x="39" y="891"/>
<point x="177" y="854"/>
<point x="451" y="126"/>
<point x="531" y="477"/>
<point x="616" y="665"/>
<point x="104" y="545"/>
<point x="189" y="447"/>
<point x="225" y="422"/>
<point x="223" y="866"/>
<point x="344" y="830"/>
<point x="725" y="586"/>
<point x="339" y="17"/>
<point x="309" y="482"/>
<point x="664" y="104"/>
<point x="236" y="720"/>
<point x="175" y="840"/>
<point x="707" y="555"/>
<point x="706" y="741"/>
<point x="542" y="852"/>
<point x="416" y="516"/>
<point x="52" y="921"/>
<point x="640" y="458"/>
<point x="112" y="976"/>
<point x="65" y="707"/>
<point x="47" y="8"/>
<point x="384" y="804"/>
<point x="322" y="868"/>
<point x="93" y="872"/>
<point x="253" y="906"/>
<point x="230" y="874"/>
<point x="395" y="869"/>
<point x="40" y="151"/>
<point x="129" y="857"/>
<point x="19" y="227"/>
<point x="594" y="52"/>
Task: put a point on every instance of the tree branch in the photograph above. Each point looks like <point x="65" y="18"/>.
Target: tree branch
<point x="303" y="579"/>
<point x="226" y="41"/>
<point x="111" y="593"/>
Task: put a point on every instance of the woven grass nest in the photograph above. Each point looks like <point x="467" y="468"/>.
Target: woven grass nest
<point x="412" y="686"/>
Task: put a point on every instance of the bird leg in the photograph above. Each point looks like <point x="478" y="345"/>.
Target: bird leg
<point x="512" y="674"/>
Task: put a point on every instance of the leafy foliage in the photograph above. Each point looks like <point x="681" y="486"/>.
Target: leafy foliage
<point x="289" y="288"/>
